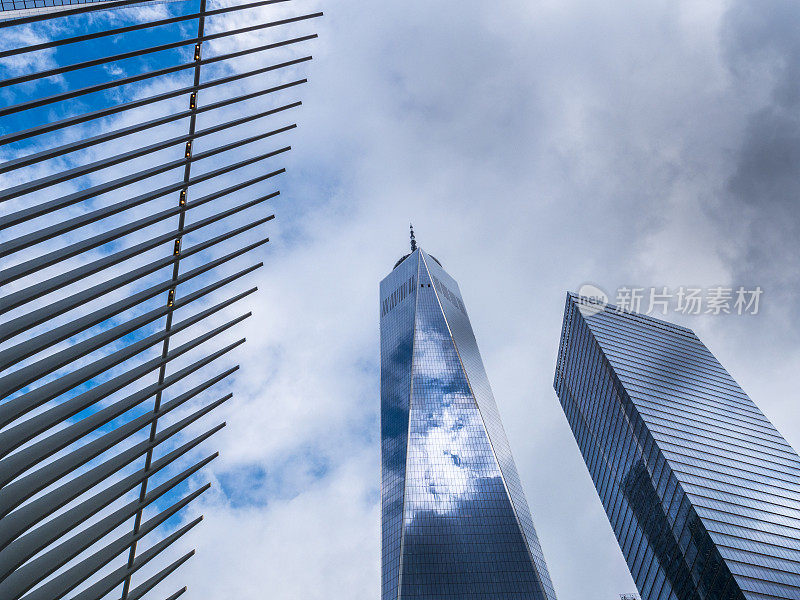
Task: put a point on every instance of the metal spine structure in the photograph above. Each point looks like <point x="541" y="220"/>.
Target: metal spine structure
<point x="139" y="155"/>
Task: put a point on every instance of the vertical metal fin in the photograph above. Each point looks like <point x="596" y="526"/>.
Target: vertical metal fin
<point x="123" y="249"/>
<point x="24" y="548"/>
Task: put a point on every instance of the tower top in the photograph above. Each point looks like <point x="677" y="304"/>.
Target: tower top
<point x="414" y="248"/>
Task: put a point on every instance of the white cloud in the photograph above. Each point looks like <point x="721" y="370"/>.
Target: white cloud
<point x="536" y="146"/>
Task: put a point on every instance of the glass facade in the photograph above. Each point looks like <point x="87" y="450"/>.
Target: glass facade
<point x="701" y="490"/>
<point x="456" y="524"/>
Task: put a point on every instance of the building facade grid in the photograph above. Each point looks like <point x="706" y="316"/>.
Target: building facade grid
<point x="699" y="487"/>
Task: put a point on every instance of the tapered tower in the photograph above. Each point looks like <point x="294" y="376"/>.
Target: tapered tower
<point x="455" y="520"/>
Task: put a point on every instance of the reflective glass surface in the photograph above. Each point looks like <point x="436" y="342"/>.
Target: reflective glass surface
<point x="702" y="491"/>
<point x="466" y="529"/>
<point x="397" y="339"/>
<point x="464" y="339"/>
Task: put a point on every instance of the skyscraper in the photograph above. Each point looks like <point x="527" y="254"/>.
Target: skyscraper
<point x="702" y="491"/>
<point x="456" y="524"/>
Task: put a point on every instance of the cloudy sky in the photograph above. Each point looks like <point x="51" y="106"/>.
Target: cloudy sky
<point x="536" y="146"/>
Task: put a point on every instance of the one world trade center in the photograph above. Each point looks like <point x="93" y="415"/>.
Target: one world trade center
<point x="455" y="521"/>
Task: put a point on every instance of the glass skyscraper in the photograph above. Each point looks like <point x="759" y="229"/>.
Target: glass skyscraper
<point x="456" y="524"/>
<point x="701" y="490"/>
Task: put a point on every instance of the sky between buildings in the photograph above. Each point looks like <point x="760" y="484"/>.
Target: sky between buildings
<point x="537" y="146"/>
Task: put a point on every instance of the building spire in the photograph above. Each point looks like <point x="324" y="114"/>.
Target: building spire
<point x="413" y="240"/>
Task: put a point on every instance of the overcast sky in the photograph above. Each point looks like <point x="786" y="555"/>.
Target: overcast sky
<point x="536" y="146"/>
